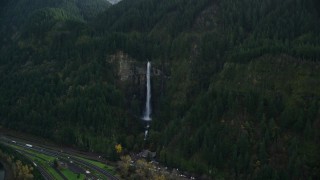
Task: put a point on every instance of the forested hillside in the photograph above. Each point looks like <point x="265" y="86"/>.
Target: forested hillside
<point x="18" y="16"/>
<point x="240" y="89"/>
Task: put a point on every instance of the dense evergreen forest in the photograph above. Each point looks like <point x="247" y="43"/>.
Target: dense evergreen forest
<point x="240" y="97"/>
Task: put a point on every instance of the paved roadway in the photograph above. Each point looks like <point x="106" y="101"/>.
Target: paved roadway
<point x="57" y="154"/>
<point x="42" y="170"/>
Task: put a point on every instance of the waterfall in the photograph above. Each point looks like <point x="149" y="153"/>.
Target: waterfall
<point x="147" y="112"/>
<point x="146" y="134"/>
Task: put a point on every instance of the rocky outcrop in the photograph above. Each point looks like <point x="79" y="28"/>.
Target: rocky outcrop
<point x="129" y="68"/>
<point x="131" y="75"/>
<point x="125" y="65"/>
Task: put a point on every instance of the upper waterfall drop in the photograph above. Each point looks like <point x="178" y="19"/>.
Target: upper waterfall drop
<point x="147" y="112"/>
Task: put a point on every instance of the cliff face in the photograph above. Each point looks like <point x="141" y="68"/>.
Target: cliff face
<point x="131" y="77"/>
<point x="243" y="86"/>
<point x="124" y="64"/>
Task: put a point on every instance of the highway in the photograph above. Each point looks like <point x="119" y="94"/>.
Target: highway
<point x="75" y="162"/>
<point x="42" y="170"/>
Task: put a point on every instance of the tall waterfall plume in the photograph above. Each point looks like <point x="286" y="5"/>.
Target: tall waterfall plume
<point x="147" y="111"/>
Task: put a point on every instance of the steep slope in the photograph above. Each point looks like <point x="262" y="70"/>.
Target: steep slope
<point x="16" y="15"/>
<point x="236" y="95"/>
<point x="51" y="43"/>
<point x="243" y="83"/>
